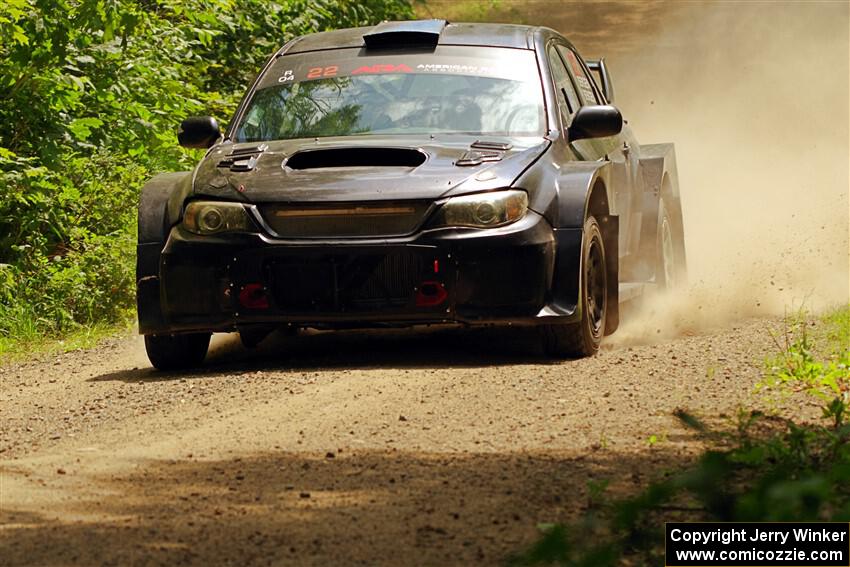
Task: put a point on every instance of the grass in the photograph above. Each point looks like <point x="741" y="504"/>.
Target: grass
<point x="837" y="332"/>
<point x="813" y="359"/>
<point x="29" y="345"/>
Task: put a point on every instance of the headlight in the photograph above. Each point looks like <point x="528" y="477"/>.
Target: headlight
<point x="482" y="210"/>
<point x="213" y="217"/>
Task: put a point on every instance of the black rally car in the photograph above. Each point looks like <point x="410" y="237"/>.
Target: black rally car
<point x="410" y="173"/>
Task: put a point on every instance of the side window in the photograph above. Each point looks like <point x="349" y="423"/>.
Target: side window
<point x="583" y="82"/>
<point x="568" y="101"/>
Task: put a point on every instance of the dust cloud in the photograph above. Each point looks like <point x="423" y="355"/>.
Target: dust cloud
<point x="755" y="97"/>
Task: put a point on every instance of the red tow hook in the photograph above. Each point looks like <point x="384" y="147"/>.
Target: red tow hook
<point x="253" y="296"/>
<point x="431" y="294"/>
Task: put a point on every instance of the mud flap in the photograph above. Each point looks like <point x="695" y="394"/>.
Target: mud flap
<point x="148" y="305"/>
<point x="610" y="226"/>
<point x="567" y="273"/>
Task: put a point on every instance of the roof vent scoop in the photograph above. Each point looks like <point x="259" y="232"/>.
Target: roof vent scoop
<point x="419" y="33"/>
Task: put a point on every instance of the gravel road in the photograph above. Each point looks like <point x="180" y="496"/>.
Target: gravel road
<point x="414" y="448"/>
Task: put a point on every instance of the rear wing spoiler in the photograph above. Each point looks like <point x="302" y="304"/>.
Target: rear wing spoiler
<point x="598" y="67"/>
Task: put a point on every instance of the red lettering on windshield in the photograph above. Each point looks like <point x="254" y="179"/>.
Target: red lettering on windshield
<point x="379" y="68"/>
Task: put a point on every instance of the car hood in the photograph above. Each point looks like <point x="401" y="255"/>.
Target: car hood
<point x="365" y="168"/>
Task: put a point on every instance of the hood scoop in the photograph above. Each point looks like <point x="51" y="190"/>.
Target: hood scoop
<point x="356" y="157"/>
<point x="481" y="151"/>
<point x="244" y="158"/>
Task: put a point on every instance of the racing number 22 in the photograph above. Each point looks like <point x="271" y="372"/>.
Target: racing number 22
<point x="319" y="72"/>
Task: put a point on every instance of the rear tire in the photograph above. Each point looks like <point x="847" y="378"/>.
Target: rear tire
<point x="177" y="352"/>
<point x="581" y="339"/>
<point x="670" y="272"/>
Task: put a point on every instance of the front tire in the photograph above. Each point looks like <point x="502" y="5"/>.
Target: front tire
<point x="177" y="352"/>
<point x="578" y="340"/>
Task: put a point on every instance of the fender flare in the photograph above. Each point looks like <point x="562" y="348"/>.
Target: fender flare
<point x="660" y="180"/>
<point x="575" y="189"/>
<point x="153" y="199"/>
<point x="154" y="226"/>
<point x="576" y="186"/>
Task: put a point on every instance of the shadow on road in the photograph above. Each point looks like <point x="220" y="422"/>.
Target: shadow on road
<point x="404" y="349"/>
<point x="361" y="508"/>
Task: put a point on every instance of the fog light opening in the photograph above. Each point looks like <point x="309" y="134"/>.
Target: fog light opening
<point x="253" y="296"/>
<point x="431" y="294"/>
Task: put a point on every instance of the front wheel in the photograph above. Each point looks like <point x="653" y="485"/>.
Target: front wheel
<point x="175" y="352"/>
<point x="582" y="339"/>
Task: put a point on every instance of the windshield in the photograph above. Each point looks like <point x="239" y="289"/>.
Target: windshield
<point x="486" y="91"/>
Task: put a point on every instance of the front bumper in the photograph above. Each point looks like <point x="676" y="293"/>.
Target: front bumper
<point x="223" y="283"/>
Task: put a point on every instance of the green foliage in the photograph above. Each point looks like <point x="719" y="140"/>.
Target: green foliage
<point x="757" y="472"/>
<point x="796" y="367"/>
<point x="91" y="92"/>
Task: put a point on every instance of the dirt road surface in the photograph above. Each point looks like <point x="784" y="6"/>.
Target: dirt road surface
<point x="391" y="448"/>
<point x="447" y="448"/>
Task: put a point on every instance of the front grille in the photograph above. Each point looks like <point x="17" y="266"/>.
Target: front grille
<point x="339" y="220"/>
<point x="344" y="283"/>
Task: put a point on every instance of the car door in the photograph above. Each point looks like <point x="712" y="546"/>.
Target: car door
<point x="622" y="150"/>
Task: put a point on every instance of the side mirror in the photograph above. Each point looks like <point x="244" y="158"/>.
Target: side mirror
<point x="595" y="122"/>
<point x="198" y="132"/>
